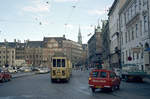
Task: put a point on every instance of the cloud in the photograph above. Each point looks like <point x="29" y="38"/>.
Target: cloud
<point x="37" y="6"/>
<point x="88" y="28"/>
<point x="100" y="11"/>
<point x="69" y="26"/>
<point x="66" y="0"/>
<point x="97" y="12"/>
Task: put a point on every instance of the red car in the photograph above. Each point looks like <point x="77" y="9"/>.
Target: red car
<point x="4" y="76"/>
<point x="103" y="79"/>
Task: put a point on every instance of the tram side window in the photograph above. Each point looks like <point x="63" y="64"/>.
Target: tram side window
<point x="54" y="62"/>
<point x="58" y="63"/>
<point x="63" y="62"/>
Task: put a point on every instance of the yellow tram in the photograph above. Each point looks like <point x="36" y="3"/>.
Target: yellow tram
<point x="61" y="68"/>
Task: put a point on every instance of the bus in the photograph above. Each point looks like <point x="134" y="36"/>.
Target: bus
<point x="61" y="69"/>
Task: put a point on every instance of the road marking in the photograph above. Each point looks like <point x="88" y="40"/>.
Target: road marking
<point x="84" y="90"/>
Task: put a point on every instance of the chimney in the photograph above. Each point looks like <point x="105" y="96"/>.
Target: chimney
<point x="64" y="36"/>
<point x="15" y="40"/>
<point x="5" y="40"/>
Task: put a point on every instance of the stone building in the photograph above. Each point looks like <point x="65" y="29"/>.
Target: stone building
<point x="39" y="53"/>
<point x="33" y="53"/>
<point x="114" y="35"/>
<point x="7" y="56"/>
<point x="95" y="47"/>
<point x="106" y="45"/>
<point x="135" y="34"/>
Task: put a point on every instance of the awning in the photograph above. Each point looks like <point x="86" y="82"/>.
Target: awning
<point x="147" y="49"/>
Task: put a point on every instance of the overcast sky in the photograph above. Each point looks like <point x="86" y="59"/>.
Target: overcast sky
<point x="35" y="19"/>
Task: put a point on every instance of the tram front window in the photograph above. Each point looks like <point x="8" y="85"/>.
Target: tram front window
<point x="58" y="63"/>
<point x="63" y="62"/>
<point x="54" y="62"/>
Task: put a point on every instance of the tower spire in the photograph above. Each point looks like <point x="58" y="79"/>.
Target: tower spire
<point x="79" y="36"/>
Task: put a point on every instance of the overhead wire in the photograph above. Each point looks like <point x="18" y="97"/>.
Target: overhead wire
<point x="73" y="7"/>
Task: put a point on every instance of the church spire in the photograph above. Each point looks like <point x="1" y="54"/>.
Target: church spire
<point x="79" y="36"/>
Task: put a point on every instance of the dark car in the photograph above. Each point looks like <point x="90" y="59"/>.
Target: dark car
<point x="5" y="75"/>
<point x="103" y="79"/>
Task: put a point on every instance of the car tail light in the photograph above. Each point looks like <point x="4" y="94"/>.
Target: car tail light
<point x="90" y="78"/>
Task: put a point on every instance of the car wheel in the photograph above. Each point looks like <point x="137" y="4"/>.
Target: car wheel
<point x="126" y="79"/>
<point x="52" y="80"/>
<point x="112" y="88"/>
<point x="118" y="87"/>
<point x="93" y="89"/>
<point x="3" y="80"/>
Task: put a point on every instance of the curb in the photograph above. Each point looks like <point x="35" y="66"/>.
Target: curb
<point x="147" y="80"/>
<point x="22" y="75"/>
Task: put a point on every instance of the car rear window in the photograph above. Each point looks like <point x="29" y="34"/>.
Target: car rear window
<point x="95" y="74"/>
<point x="103" y="74"/>
<point x="112" y="75"/>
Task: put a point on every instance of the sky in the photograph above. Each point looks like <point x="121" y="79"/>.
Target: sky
<point x="34" y="19"/>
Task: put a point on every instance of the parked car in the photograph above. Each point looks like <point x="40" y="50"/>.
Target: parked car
<point x="5" y="75"/>
<point x="103" y="79"/>
<point x="27" y="69"/>
<point x="12" y="70"/>
<point x="43" y="70"/>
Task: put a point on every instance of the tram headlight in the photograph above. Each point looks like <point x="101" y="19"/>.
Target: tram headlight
<point x="63" y="73"/>
<point x="54" y="72"/>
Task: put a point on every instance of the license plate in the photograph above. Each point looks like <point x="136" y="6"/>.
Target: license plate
<point x="98" y="86"/>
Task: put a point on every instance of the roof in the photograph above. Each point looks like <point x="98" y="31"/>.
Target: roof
<point x="112" y="7"/>
<point x="56" y="38"/>
<point x="12" y="44"/>
<point x="35" y="44"/>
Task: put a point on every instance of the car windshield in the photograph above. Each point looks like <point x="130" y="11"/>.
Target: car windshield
<point x="95" y="74"/>
<point x="103" y="74"/>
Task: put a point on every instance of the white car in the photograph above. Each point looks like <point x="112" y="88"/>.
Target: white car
<point x="42" y="70"/>
<point x="11" y="70"/>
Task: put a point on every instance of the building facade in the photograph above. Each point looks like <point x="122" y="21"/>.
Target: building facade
<point x="106" y="45"/>
<point x="135" y="35"/>
<point x="39" y="53"/>
<point x="95" y="47"/>
<point x="7" y="56"/>
<point x="114" y="35"/>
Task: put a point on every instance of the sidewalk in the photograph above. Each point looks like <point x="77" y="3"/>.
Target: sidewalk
<point x="22" y="74"/>
<point x="146" y="80"/>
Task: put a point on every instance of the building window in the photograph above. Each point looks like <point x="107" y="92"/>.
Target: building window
<point x="129" y="35"/>
<point x="135" y="6"/>
<point x="122" y="39"/>
<point x="144" y="2"/>
<point x="132" y="33"/>
<point x="126" y="36"/>
<point x="126" y="55"/>
<point x="145" y="24"/>
<point x="133" y="56"/>
<point x="142" y="54"/>
<point x="137" y="55"/>
<point x="139" y="4"/>
<point x="140" y="27"/>
<point x="136" y="30"/>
